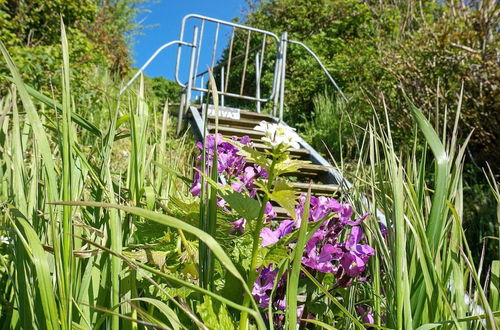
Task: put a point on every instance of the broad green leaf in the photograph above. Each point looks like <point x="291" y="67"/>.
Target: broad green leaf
<point x="214" y="320"/>
<point x="289" y="165"/>
<point x="272" y="255"/>
<point x="244" y="205"/>
<point x="285" y="196"/>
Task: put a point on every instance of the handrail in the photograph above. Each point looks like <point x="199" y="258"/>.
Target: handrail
<point x="320" y="64"/>
<point x="277" y="93"/>
<point x="145" y="65"/>
<point x="210" y="19"/>
<point x="220" y="23"/>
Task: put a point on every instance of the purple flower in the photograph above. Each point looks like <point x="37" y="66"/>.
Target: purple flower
<point x="270" y="212"/>
<point x="196" y="186"/>
<point x="368" y="317"/>
<point x="270" y="237"/>
<point x="237" y="185"/>
<point x="319" y="208"/>
<point x="383" y="230"/>
<point x="357" y="255"/>
<point x="358" y="221"/>
<point x="319" y="256"/>
<point x="245" y="140"/>
<point x="263" y="286"/>
<point x="238" y="225"/>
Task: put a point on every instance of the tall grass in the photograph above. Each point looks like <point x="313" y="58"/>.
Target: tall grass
<point x="66" y="267"/>
<point x="102" y="231"/>
<point x="424" y="267"/>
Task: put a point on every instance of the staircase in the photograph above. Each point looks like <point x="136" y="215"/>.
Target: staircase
<point x="323" y="179"/>
<point x="319" y="174"/>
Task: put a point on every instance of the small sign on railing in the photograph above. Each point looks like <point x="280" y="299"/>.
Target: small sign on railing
<point x="224" y="112"/>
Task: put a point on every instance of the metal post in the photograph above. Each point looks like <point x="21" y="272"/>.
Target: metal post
<point x="181" y="107"/>
<point x="277" y="77"/>
<point x="222" y="89"/>
<point x="284" y="38"/>
<point x="257" y="82"/>
<point x="187" y="102"/>
<point x="202" y="93"/>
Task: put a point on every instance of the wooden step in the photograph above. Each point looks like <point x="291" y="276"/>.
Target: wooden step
<point x="309" y="170"/>
<point x="281" y="213"/>
<point x="316" y="188"/>
<point x="256" y="116"/>
<point x="230" y="131"/>
<point x="241" y="123"/>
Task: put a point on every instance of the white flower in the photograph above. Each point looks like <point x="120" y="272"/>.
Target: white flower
<point x="4" y="240"/>
<point x="278" y="135"/>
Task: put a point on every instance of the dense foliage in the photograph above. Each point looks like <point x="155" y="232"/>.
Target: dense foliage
<point x="372" y="48"/>
<point x="101" y="225"/>
<point x="378" y="52"/>
<point x="97" y="29"/>
<point x="141" y="250"/>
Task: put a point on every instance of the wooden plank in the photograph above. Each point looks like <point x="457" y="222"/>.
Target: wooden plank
<point x="236" y="131"/>
<point x="241" y="123"/>
<point x="316" y="188"/>
<point x="257" y="116"/>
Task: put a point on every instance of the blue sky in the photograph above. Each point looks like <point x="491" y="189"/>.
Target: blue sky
<point x="166" y="16"/>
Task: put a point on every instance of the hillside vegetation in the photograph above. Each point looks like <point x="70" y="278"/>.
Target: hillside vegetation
<point x="109" y="220"/>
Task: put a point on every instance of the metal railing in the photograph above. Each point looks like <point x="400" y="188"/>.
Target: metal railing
<point x="259" y="45"/>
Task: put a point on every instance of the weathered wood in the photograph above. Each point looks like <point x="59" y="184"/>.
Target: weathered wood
<point x="241" y="123"/>
<point x="231" y="131"/>
<point x="318" y="174"/>
<point x="316" y="188"/>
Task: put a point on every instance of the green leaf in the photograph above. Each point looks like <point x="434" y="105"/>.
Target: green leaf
<point x="244" y="205"/>
<point x="38" y="257"/>
<point x="76" y="118"/>
<point x="166" y="220"/>
<point x="252" y="155"/>
<point x="438" y="210"/>
<point x="273" y="255"/>
<point x="214" y="320"/>
<point x="289" y="165"/>
<point x="293" y="277"/>
<point x="332" y="298"/>
<point x="319" y="323"/>
<point x="285" y="196"/>
<point x="495" y="285"/>
<point x="123" y="119"/>
<point x="164" y="309"/>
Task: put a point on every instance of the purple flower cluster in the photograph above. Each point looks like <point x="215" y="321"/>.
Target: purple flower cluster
<point x="334" y="248"/>
<point x="229" y="163"/>
<point x="235" y="171"/>
<point x="326" y="251"/>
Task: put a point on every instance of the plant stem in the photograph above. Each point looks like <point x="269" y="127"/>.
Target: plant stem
<point x="253" y="272"/>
